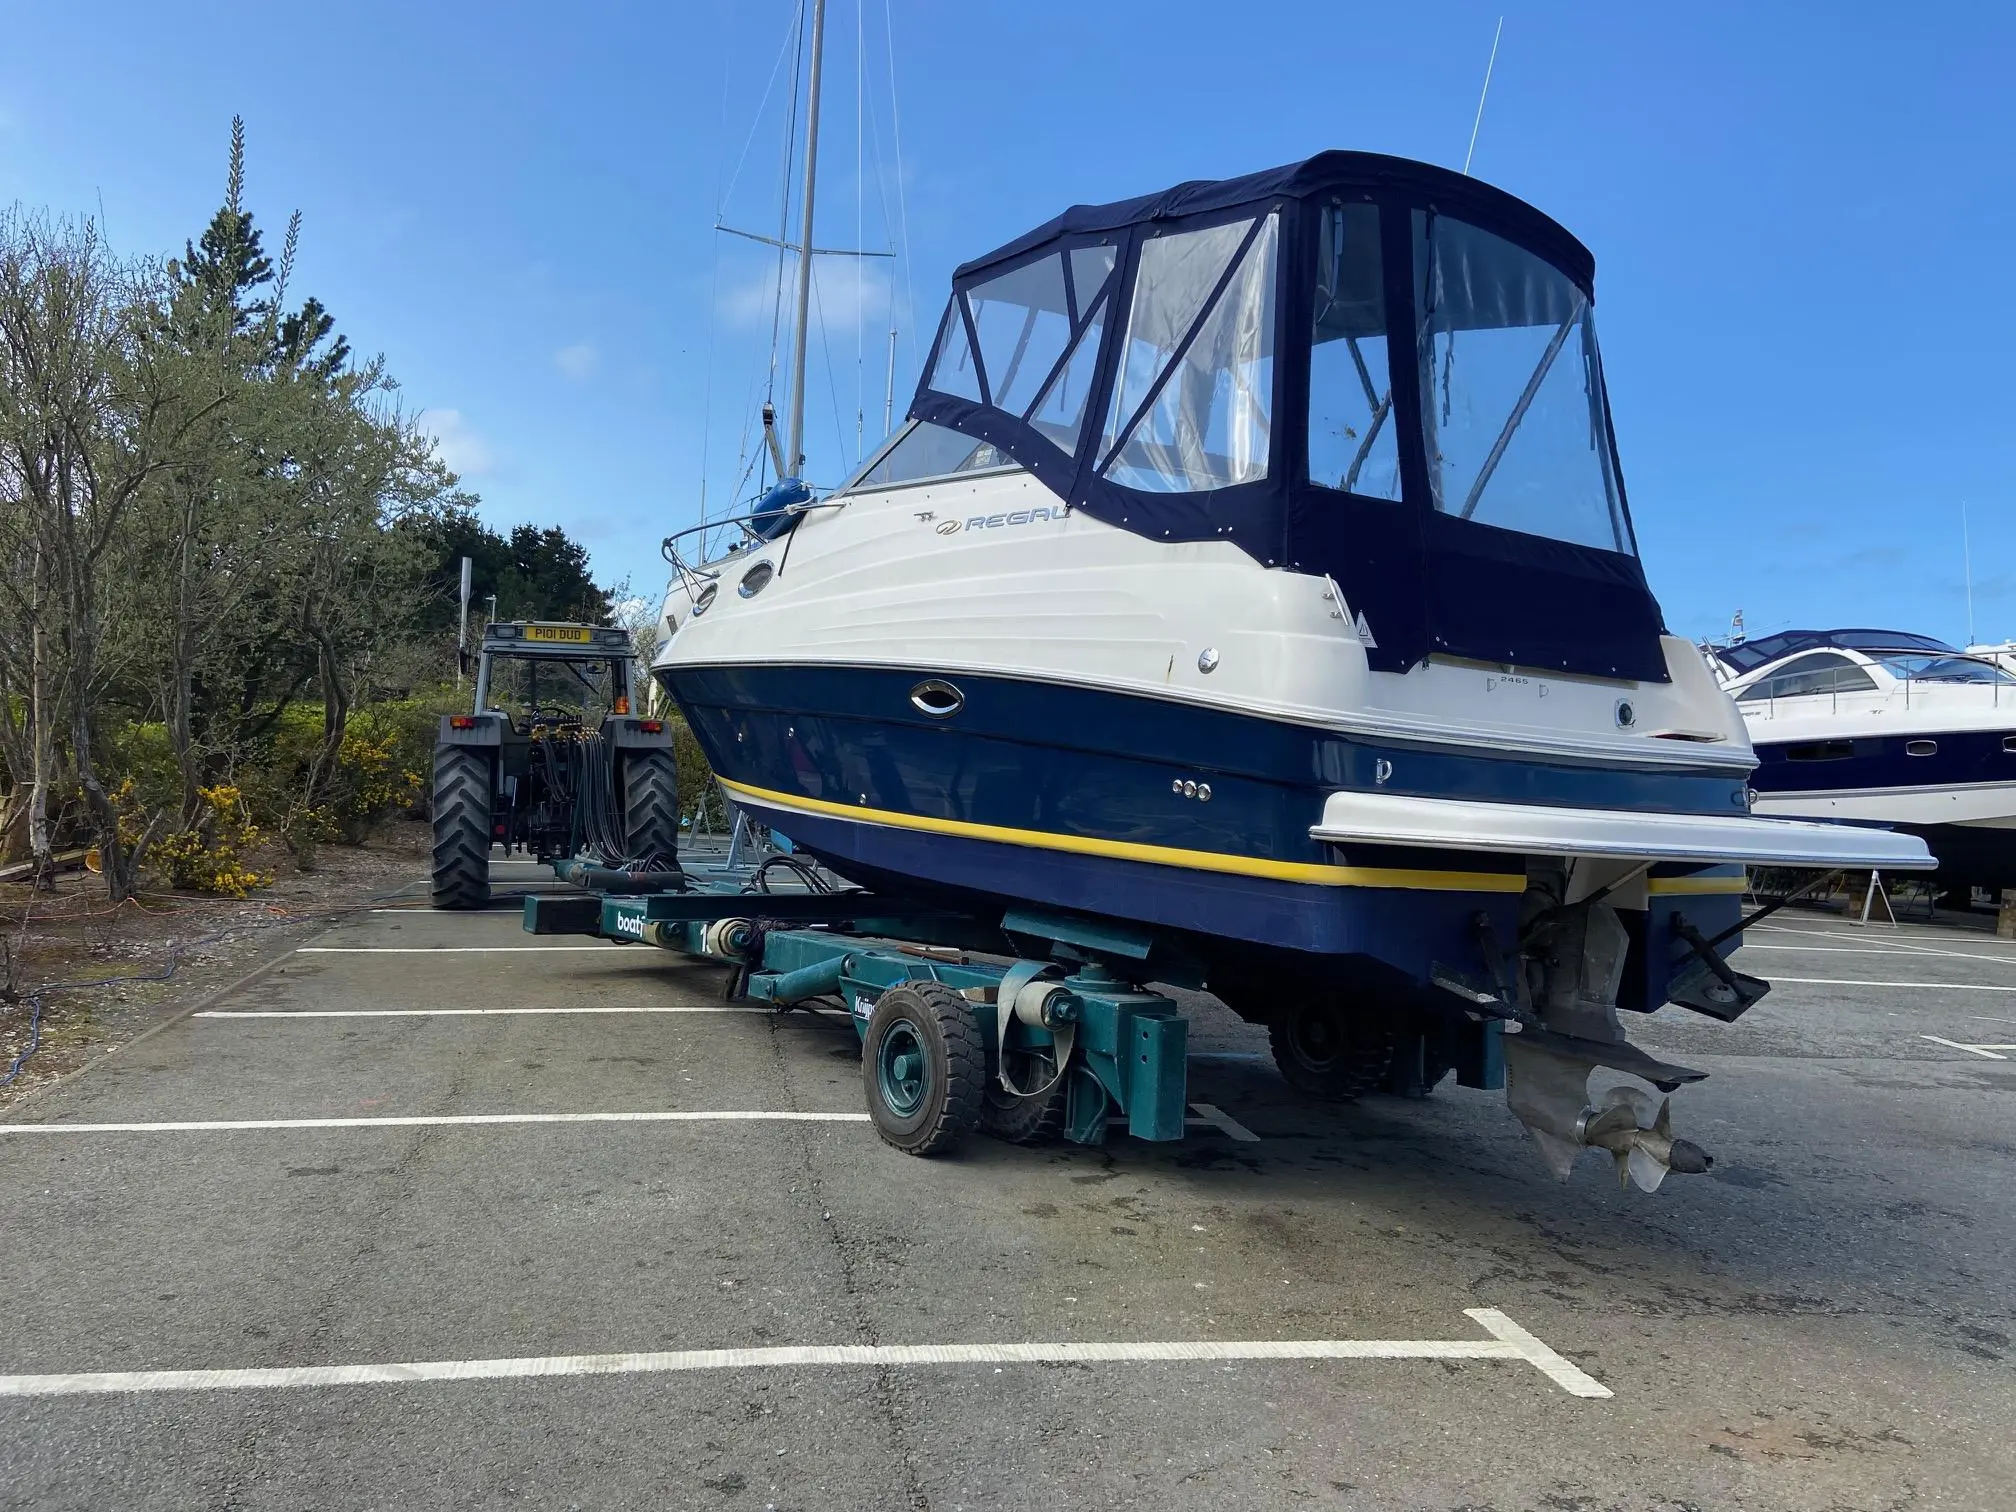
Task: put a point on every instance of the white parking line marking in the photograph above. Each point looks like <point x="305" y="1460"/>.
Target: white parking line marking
<point x="1570" y="1377"/>
<point x="1224" y="1122"/>
<point x="1889" y="947"/>
<point x="344" y="1013"/>
<point x="1889" y="950"/>
<point x="1896" y="949"/>
<point x="217" y="1125"/>
<point x="450" y="949"/>
<point x="1986" y="1052"/>
<point x="1508" y="1342"/>
<point x="1918" y="986"/>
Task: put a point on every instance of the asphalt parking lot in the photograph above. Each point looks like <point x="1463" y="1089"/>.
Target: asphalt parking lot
<point x="514" y="1254"/>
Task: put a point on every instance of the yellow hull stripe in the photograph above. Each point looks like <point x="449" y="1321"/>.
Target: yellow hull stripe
<point x="1696" y="885"/>
<point x="1160" y="855"/>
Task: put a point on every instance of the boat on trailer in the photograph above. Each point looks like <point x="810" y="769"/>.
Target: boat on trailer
<point x="1252" y="585"/>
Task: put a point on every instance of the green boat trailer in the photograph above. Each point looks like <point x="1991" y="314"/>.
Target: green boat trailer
<point x="1028" y="1029"/>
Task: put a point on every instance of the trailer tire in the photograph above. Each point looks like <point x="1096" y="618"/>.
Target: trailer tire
<point x="1025" y="1120"/>
<point x="461" y="873"/>
<point x="1325" y="1051"/>
<point x="651" y="809"/>
<point x="924" y="1068"/>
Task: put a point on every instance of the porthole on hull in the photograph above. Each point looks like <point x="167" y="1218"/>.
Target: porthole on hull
<point x="937" y="698"/>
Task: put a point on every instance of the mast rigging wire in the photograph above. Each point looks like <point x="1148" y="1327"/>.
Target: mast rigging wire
<point x="1482" y="96"/>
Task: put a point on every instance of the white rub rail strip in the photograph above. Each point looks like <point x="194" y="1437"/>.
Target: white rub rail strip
<point x="1508" y="1342"/>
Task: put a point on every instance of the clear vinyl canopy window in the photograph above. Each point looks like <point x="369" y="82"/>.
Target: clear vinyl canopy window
<point x="1038" y="330"/>
<point x="1512" y="404"/>
<point x="1193" y="394"/>
<point x="922" y="450"/>
<point x="1353" y="442"/>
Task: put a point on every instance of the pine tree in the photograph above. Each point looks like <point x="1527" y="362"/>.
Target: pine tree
<point x="229" y="262"/>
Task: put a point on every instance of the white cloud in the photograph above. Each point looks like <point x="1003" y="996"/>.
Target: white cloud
<point x="456" y="442"/>
<point x="577" y="361"/>
<point x="846" y="292"/>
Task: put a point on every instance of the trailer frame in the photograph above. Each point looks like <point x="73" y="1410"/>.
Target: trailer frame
<point x="1070" y="991"/>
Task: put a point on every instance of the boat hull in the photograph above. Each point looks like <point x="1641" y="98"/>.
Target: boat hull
<point x="1178" y="816"/>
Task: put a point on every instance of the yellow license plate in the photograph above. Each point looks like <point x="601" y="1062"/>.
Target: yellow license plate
<point x="570" y="634"/>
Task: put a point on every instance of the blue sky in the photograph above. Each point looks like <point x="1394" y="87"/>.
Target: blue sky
<point x="1801" y="215"/>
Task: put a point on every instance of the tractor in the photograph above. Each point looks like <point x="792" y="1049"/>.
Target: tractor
<point x="552" y="762"/>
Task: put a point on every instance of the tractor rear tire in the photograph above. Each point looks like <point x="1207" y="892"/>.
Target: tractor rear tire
<point x="461" y="828"/>
<point x="651" y="809"/>
<point x="924" y="1068"/>
<point x="1325" y="1051"/>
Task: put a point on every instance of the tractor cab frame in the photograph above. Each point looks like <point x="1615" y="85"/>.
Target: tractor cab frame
<point x="570" y="771"/>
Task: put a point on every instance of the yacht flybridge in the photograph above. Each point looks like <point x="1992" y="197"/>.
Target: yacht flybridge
<point x="1886" y="727"/>
<point x="1253" y="580"/>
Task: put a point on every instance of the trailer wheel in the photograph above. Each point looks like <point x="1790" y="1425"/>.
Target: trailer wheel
<point x="651" y="808"/>
<point x="924" y="1068"/>
<point x="1326" y="1052"/>
<point x="1025" y="1120"/>
<point x="461" y="828"/>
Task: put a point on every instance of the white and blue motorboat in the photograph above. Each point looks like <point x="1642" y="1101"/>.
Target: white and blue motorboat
<point x="1886" y="727"/>
<point x="1253" y="573"/>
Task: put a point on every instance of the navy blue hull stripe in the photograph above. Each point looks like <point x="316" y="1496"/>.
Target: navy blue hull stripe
<point x="1846" y="765"/>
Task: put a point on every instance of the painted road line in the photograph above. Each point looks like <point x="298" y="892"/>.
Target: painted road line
<point x="219" y="1125"/>
<point x="452" y="949"/>
<point x="1986" y="1052"/>
<point x="1915" y="986"/>
<point x="350" y="1013"/>
<point x="1891" y="950"/>
<point x="1224" y="1122"/>
<point x="1508" y="1341"/>
<point x="1896" y="943"/>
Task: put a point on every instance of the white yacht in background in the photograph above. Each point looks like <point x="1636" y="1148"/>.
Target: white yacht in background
<point x="1885" y="727"/>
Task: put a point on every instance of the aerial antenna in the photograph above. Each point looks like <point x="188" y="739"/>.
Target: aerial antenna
<point x="1967" y="566"/>
<point x="1482" y="96"/>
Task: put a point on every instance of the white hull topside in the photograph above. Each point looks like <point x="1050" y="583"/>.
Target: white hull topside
<point x="992" y="574"/>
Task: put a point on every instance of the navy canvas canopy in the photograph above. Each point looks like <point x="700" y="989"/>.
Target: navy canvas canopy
<point x="1151" y="362"/>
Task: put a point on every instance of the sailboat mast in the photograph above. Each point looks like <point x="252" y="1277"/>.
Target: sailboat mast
<point x="795" y="453"/>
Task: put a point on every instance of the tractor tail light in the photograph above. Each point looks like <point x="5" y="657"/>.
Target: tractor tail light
<point x="461" y="722"/>
<point x="651" y="726"/>
<point x="622" y="706"/>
